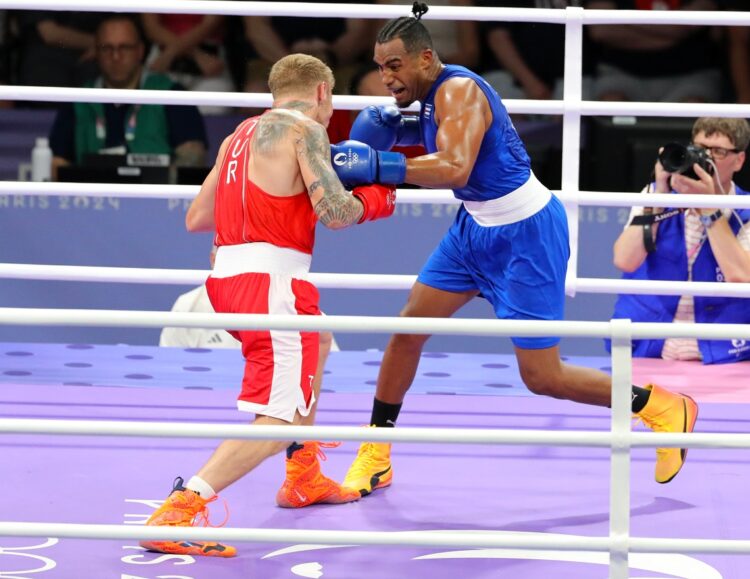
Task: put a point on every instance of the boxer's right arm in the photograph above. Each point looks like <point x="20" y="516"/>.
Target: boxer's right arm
<point x="334" y="206"/>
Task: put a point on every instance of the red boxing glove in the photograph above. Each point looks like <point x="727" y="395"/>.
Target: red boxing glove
<point x="379" y="201"/>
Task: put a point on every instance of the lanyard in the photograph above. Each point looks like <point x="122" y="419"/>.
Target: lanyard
<point x="131" y="123"/>
<point x="695" y="248"/>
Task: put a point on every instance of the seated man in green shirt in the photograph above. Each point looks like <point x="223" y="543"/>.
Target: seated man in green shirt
<point x="81" y="129"/>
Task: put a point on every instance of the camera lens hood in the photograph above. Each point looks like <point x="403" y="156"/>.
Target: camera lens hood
<point x="674" y="158"/>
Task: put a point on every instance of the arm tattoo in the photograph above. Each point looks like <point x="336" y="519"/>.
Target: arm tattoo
<point x="335" y="208"/>
<point x="337" y="211"/>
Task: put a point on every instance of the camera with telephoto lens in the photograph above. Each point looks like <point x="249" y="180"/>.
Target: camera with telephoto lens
<point x="677" y="158"/>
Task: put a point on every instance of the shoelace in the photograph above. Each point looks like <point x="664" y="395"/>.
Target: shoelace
<point x="321" y="445"/>
<point x="310" y="451"/>
<point x="316" y="449"/>
<point x="656" y="423"/>
<point x="365" y="459"/>
<point x="201" y="518"/>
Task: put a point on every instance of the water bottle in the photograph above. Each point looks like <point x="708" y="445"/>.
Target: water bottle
<point x="41" y="160"/>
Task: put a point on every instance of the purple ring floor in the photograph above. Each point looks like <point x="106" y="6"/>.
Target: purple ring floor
<point x="346" y="372"/>
<point x="113" y="480"/>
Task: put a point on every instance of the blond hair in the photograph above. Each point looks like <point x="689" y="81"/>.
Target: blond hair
<point x="735" y="129"/>
<point x="298" y="74"/>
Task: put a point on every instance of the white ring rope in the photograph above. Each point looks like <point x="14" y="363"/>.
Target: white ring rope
<point x="365" y="324"/>
<point x="165" y="97"/>
<point x="365" y="281"/>
<point x="416" y="196"/>
<point x="572" y="108"/>
<point x="412" y="538"/>
<point x="484" y="539"/>
<point x="578" y="438"/>
<point x="354" y="102"/>
<point x="344" y="10"/>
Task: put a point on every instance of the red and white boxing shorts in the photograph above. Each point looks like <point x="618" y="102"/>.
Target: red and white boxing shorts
<point x="260" y="278"/>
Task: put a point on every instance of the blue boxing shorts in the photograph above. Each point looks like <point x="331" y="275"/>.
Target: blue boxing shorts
<point x="519" y="267"/>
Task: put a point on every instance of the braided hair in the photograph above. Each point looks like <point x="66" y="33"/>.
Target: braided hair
<point x="409" y="29"/>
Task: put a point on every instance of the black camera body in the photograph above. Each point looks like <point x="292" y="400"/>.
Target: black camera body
<point x="677" y="158"/>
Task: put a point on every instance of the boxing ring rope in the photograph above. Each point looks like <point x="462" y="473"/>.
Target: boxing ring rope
<point x="416" y="196"/>
<point x="347" y="538"/>
<point x="363" y="324"/>
<point x="83" y="273"/>
<point x="345" y="10"/>
<point x="572" y="108"/>
<point x="354" y="102"/>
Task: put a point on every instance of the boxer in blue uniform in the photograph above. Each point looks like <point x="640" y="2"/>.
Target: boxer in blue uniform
<point x="509" y="242"/>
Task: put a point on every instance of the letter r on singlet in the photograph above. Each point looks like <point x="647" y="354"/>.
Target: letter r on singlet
<point x="231" y="170"/>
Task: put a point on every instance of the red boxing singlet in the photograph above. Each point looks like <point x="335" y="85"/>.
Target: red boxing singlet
<point x="244" y="213"/>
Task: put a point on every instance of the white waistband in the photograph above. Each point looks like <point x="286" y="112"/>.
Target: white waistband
<point x="528" y="199"/>
<point x="260" y="258"/>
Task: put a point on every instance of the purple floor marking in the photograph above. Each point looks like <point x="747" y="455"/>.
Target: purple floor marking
<point x="446" y="487"/>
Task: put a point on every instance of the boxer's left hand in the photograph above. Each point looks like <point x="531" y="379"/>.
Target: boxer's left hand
<point x="381" y="127"/>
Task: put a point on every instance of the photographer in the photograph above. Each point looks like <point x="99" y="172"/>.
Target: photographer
<point x="705" y="244"/>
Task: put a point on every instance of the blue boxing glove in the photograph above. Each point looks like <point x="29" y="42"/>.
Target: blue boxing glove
<point x="357" y="163"/>
<point x="381" y="127"/>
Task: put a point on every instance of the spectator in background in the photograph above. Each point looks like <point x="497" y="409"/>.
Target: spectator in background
<point x="739" y="54"/>
<point x="339" y="42"/>
<point x="456" y="41"/>
<point x="366" y="82"/>
<point x="85" y="128"/>
<point x="696" y="245"/>
<point x="7" y="52"/>
<point x="57" y="48"/>
<point x="527" y="58"/>
<point x="655" y="62"/>
<point x="189" y="48"/>
<point x="739" y="50"/>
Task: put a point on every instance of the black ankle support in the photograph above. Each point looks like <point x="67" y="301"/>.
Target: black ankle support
<point x="640" y="398"/>
<point x="384" y="414"/>
<point x="292" y="448"/>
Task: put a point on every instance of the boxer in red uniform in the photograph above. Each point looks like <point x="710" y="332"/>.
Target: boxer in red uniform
<point x="272" y="182"/>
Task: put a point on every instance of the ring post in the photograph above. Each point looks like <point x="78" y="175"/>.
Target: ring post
<point x="571" y="135"/>
<point x="619" y="489"/>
